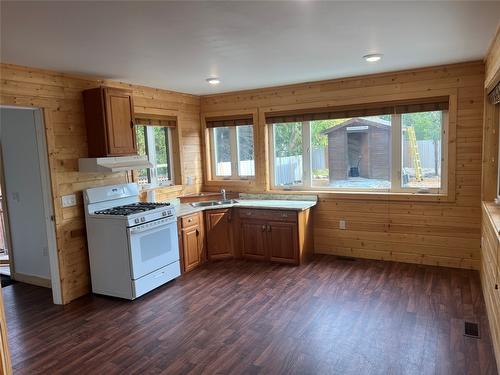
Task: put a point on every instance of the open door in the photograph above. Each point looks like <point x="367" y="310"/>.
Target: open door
<point x="27" y="198"/>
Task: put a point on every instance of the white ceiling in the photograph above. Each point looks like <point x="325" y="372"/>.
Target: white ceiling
<point x="248" y="44"/>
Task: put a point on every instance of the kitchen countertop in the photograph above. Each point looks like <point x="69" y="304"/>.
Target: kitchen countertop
<point x="266" y="203"/>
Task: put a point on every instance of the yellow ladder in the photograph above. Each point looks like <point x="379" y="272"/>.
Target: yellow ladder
<point x="415" y="156"/>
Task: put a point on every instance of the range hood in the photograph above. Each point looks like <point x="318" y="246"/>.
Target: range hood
<point x="113" y="164"/>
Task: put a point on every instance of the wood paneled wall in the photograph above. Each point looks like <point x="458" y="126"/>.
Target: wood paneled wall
<point x="490" y="252"/>
<point x="490" y="271"/>
<point x="5" y="365"/>
<point x="60" y="96"/>
<point x="386" y="227"/>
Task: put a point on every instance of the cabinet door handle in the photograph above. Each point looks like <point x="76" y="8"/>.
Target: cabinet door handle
<point x="268" y="228"/>
<point x="263" y="228"/>
<point x="190" y="220"/>
<point x="197" y="232"/>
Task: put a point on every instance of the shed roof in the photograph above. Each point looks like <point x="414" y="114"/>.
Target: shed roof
<point x="360" y="121"/>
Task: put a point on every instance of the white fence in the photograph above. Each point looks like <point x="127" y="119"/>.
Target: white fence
<point x="245" y="168"/>
<point x="319" y="158"/>
<point x="288" y="170"/>
<point x="427" y="152"/>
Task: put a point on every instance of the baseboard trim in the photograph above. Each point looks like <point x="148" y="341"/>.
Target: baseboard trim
<point x="31" y="279"/>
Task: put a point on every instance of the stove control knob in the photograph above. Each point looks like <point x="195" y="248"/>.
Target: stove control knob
<point x="136" y="221"/>
<point x="143" y="219"/>
<point x="164" y="213"/>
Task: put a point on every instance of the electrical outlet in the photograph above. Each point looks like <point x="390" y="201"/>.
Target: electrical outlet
<point x="190" y="180"/>
<point x="68" y="200"/>
<point x="342" y="224"/>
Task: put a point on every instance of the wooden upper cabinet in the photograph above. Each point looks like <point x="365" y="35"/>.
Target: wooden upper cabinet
<point x="109" y="117"/>
<point x="219" y="233"/>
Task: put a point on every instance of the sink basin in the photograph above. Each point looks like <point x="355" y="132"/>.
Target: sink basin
<point x="213" y="203"/>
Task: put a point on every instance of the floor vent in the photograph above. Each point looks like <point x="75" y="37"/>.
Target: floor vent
<point x="349" y="259"/>
<point x="471" y="330"/>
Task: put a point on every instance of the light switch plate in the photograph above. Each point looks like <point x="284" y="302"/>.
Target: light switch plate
<point x="342" y="224"/>
<point x="68" y="200"/>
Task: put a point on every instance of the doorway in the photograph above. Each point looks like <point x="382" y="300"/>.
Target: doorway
<point x="28" y="213"/>
<point x="4" y="251"/>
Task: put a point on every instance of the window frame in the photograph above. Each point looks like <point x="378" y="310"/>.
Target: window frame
<point x="152" y="172"/>
<point x="233" y="145"/>
<point x="396" y="161"/>
<point x="497" y="117"/>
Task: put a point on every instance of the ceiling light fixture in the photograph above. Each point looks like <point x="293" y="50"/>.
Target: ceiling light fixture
<point x="213" y="80"/>
<point x="374" y="57"/>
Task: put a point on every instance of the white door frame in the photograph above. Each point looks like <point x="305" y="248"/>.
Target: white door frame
<point x="41" y="141"/>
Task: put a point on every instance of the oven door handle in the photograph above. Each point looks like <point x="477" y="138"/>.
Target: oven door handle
<point x="144" y="229"/>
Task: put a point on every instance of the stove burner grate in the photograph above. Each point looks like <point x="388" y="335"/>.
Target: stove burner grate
<point x="130" y="209"/>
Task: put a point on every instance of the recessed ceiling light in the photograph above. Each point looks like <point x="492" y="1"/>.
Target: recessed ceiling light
<point x="213" y="80"/>
<point x="374" y="57"/>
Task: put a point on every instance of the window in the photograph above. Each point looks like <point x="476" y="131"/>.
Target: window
<point x="421" y="150"/>
<point x="232" y="148"/>
<point x="156" y="143"/>
<point x="288" y="154"/>
<point x="399" y="149"/>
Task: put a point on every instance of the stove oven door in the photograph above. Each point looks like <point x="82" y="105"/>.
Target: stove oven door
<point x="152" y="246"/>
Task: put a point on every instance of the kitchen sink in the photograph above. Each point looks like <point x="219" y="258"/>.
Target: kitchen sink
<point x="213" y="203"/>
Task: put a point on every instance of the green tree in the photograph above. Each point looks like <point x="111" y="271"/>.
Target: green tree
<point x="288" y="139"/>
<point x="427" y="125"/>
<point x="318" y="139"/>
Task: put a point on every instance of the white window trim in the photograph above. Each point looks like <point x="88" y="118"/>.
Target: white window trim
<point x="233" y="144"/>
<point x="396" y="155"/>
<point x="151" y="152"/>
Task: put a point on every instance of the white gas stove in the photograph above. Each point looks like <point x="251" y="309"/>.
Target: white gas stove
<point x="133" y="246"/>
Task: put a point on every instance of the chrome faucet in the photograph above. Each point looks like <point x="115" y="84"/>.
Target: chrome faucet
<point x="223" y="193"/>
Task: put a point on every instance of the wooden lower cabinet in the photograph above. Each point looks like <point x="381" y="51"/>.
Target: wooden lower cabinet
<point x="282" y="239"/>
<point x="274" y="241"/>
<point x="191" y="241"/>
<point x="253" y="240"/>
<point x="219" y="233"/>
<point x="258" y="234"/>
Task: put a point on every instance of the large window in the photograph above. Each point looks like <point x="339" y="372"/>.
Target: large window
<point x="156" y="143"/>
<point x="232" y="148"/>
<point x="397" y="152"/>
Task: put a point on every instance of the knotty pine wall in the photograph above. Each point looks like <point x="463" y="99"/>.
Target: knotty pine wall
<point x="386" y="227"/>
<point x="490" y="251"/>
<point x="60" y="96"/>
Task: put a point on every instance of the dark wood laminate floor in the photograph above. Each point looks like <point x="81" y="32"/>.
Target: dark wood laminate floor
<point x="328" y="317"/>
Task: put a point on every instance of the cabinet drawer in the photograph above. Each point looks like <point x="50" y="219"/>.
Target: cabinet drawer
<point x="190" y="220"/>
<point x="264" y="214"/>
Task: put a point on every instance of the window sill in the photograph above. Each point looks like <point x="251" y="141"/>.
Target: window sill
<point x="371" y="195"/>
<point x="166" y="188"/>
<point x="217" y="182"/>
<point x="493" y="213"/>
